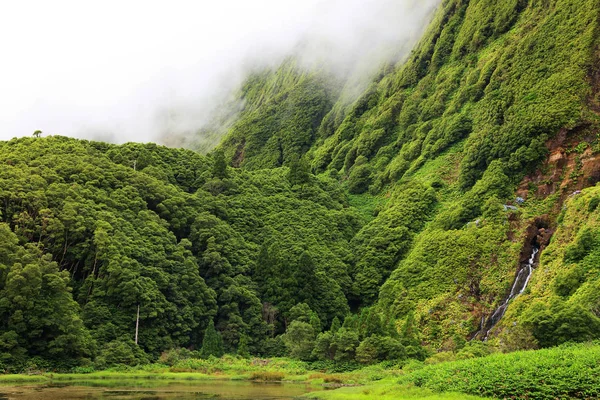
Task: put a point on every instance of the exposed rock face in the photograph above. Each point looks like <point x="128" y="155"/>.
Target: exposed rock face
<point x="538" y="235"/>
<point x="571" y="165"/>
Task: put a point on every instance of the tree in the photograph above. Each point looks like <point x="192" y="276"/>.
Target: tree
<point x="37" y="133"/>
<point x="156" y="238"/>
<point x="324" y="349"/>
<point x="121" y="352"/>
<point x="212" y="344"/>
<point x="410" y="338"/>
<point x="378" y="348"/>
<point x="300" y="340"/>
<point x="300" y="312"/>
<point x="563" y="322"/>
<point x="37" y="310"/>
<point x="360" y="176"/>
<point x="335" y="325"/>
<point x="220" y="165"/>
<point x="345" y="342"/>
<point x="517" y="337"/>
<point x="299" y="173"/>
<point x="367" y="352"/>
<point x="370" y="323"/>
<point x="242" y="349"/>
<point x="304" y="278"/>
<point x="409" y="333"/>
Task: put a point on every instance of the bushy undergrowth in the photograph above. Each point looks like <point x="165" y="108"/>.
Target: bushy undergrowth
<point x="229" y="365"/>
<point x="568" y="371"/>
<point x="267" y="376"/>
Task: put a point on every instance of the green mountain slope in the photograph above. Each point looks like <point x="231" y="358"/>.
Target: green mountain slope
<point x="390" y="227"/>
<point x="282" y="112"/>
<point x="445" y="139"/>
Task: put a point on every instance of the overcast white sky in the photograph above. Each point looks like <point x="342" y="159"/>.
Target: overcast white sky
<point x="109" y="69"/>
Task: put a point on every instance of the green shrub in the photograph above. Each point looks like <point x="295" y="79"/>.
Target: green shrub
<point x="120" y="352"/>
<point x="359" y="179"/>
<point x="300" y="340"/>
<point x="378" y="348"/>
<point x="562" y="323"/>
<point x="173" y="356"/>
<point x="268" y="376"/>
<point x="212" y="343"/>
<point x="593" y="205"/>
<point x="570" y="371"/>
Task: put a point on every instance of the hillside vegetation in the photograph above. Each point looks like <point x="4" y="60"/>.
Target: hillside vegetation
<point x="327" y="230"/>
<point x="91" y="231"/>
<point x="445" y="139"/>
<point x="566" y="372"/>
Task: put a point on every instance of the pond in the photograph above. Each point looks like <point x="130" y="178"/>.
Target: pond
<point x="153" y="390"/>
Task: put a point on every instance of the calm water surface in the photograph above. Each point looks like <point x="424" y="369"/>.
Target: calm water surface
<point x="218" y="390"/>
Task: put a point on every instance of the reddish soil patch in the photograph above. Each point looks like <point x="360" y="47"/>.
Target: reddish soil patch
<point x="567" y="170"/>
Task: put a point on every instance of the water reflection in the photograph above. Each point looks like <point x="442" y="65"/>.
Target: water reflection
<point x="154" y="390"/>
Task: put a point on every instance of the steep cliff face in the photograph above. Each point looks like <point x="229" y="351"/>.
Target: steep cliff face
<point x="505" y="76"/>
<point x="532" y="144"/>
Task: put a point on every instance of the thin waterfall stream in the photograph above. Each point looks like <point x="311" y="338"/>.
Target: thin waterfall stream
<point x="521" y="281"/>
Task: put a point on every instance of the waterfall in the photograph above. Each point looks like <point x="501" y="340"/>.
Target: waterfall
<point x="518" y="287"/>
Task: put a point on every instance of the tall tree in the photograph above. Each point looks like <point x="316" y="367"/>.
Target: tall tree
<point x="38" y="316"/>
<point x="212" y="344"/>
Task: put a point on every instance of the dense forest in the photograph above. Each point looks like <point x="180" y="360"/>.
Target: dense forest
<point x="325" y="228"/>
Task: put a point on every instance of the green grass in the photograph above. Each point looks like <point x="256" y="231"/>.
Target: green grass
<point x="534" y="207"/>
<point x="385" y="390"/>
<point x="225" y="368"/>
<point x="568" y="371"/>
<point x="16" y="378"/>
<point x="266" y="376"/>
<point x="444" y="167"/>
<point x="127" y="375"/>
<point x="366" y="204"/>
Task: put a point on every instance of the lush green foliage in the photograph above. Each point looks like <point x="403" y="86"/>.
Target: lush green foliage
<point x="569" y="371"/>
<point x="407" y="233"/>
<point x="386" y="390"/>
<point x="563" y="304"/>
<point x="283" y="110"/>
<point x="564" y="372"/>
<point x="212" y="343"/>
<point x="90" y="231"/>
<point x="444" y="137"/>
<point x="39" y="316"/>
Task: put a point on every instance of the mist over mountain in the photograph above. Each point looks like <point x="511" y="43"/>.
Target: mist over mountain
<point x="146" y="72"/>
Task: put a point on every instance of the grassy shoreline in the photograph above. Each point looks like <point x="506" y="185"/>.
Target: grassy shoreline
<point x="568" y="371"/>
<point x="384" y="389"/>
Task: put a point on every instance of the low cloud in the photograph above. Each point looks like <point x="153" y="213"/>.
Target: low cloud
<point x="159" y="71"/>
